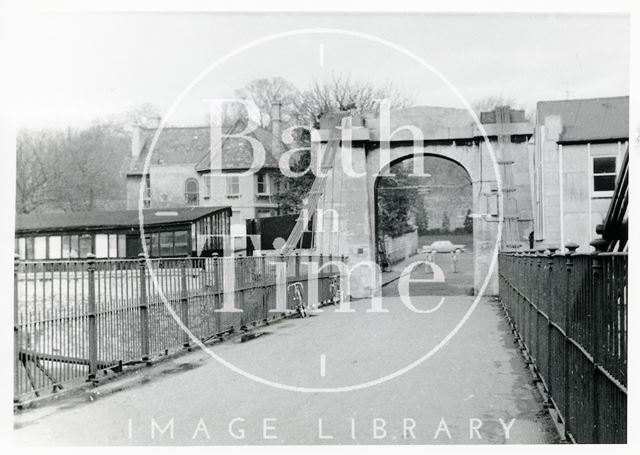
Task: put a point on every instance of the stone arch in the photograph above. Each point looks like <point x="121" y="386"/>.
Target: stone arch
<point x="475" y="160"/>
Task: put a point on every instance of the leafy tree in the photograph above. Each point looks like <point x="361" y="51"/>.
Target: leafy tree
<point x="422" y="217"/>
<point x="397" y="200"/>
<point x="446" y="222"/>
<point x="468" y="223"/>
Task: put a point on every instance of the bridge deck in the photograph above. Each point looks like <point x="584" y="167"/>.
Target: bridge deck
<point x="478" y="374"/>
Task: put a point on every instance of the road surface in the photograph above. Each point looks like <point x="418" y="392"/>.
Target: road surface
<point x="467" y="392"/>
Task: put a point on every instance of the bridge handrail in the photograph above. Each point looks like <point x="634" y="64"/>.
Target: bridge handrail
<point x="569" y="312"/>
<point x="74" y="317"/>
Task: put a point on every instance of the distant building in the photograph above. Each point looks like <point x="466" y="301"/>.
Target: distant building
<point x="579" y="147"/>
<point x="179" y="171"/>
<point x="116" y="234"/>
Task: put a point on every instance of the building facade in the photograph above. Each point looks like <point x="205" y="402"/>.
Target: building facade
<point x="179" y="171"/>
<point x="577" y="154"/>
<point x="175" y="232"/>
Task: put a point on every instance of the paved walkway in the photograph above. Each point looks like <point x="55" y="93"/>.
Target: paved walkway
<point x="477" y="380"/>
<point x="458" y="283"/>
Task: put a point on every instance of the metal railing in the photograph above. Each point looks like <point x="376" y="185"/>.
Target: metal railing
<point x="75" y="318"/>
<point x="569" y="312"/>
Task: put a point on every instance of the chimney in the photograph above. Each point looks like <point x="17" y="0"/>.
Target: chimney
<point x="276" y="144"/>
<point x="136" y="141"/>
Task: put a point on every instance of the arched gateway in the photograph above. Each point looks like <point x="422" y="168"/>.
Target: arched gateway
<point x="346" y="210"/>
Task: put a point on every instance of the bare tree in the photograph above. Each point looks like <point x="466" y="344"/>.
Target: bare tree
<point x="91" y="169"/>
<point x="340" y="92"/>
<point x="36" y="173"/>
<point x="267" y="91"/>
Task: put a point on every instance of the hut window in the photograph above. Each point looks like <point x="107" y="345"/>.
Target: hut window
<point x="40" y="248"/>
<point x="113" y="245"/>
<point x="85" y="246"/>
<point x="191" y="192"/>
<point x="21" y="249"/>
<point x="30" y="246"/>
<point x="122" y="246"/>
<point x="102" y="246"/>
<point x="155" y="244"/>
<point x="55" y="247"/>
<point x="181" y="243"/>
<point x="74" y="247"/>
<point x="166" y="244"/>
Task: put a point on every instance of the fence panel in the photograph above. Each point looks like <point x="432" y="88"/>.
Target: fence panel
<point x="570" y="313"/>
<point x="74" y="318"/>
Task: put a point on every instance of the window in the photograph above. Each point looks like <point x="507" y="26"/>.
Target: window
<point x="122" y="246"/>
<point x="102" y="246"/>
<point x="604" y="174"/>
<point x="30" y="247"/>
<point x="113" y="245"/>
<point x="166" y="244"/>
<point x="155" y="245"/>
<point x="74" y="247"/>
<point x="55" y="247"/>
<point x="207" y="186"/>
<point x="85" y="245"/>
<point x="21" y="248"/>
<point x="40" y="248"/>
<point x="233" y="185"/>
<point x="70" y="246"/>
<point x="146" y="202"/>
<point x="181" y="243"/>
<point x="191" y="192"/>
<point x="263" y="183"/>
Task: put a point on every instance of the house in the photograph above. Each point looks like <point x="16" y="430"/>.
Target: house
<point x="180" y="174"/>
<point x="578" y="152"/>
<point x="174" y="232"/>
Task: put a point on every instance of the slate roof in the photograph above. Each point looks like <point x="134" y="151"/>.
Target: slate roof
<point x="191" y="145"/>
<point x="110" y="219"/>
<point x="594" y="119"/>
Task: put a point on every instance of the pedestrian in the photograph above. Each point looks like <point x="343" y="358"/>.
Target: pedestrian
<point x="431" y="256"/>
<point x="455" y="260"/>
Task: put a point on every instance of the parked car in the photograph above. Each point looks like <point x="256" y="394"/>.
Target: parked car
<point x="442" y="246"/>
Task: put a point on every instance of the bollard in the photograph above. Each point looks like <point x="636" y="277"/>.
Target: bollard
<point x="144" y="309"/>
<point x="91" y="313"/>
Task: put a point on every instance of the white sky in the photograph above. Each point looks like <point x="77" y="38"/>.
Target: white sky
<point x="74" y="67"/>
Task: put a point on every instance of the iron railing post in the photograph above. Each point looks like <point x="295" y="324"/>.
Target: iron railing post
<point x="16" y="330"/>
<point x="572" y="247"/>
<point x="550" y="312"/>
<point x="144" y="309"/>
<point x="184" y="300"/>
<point x="596" y="304"/>
<point x="91" y="314"/>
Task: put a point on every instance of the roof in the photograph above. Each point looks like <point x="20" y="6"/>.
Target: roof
<point x="192" y="145"/>
<point x="110" y="219"/>
<point x="594" y="119"/>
